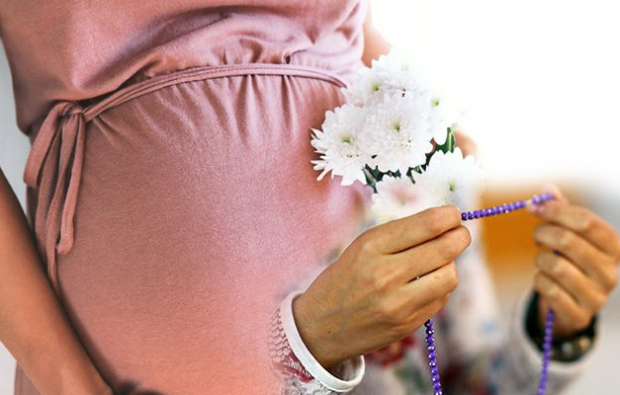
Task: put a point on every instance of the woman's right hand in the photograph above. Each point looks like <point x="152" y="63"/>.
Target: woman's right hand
<point x="370" y="296"/>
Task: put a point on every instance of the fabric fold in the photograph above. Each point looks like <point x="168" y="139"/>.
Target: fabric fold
<point x="54" y="168"/>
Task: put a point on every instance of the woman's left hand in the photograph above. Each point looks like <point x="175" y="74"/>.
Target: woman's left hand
<point x="580" y="268"/>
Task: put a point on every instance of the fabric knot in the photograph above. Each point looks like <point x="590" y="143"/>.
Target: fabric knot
<point x="54" y="168"/>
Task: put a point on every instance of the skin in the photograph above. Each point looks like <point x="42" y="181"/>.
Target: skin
<point x="370" y="296"/>
<point x="53" y="358"/>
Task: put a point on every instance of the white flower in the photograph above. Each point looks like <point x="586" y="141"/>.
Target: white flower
<point x="389" y="74"/>
<point x="338" y="143"/>
<point x="365" y="88"/>
<point x="438" y="121"/>
<point x="450" y="179"/>
<point x="397" y="132"/>
<point x="445" y="114"/>
<point x="398" y="197"/>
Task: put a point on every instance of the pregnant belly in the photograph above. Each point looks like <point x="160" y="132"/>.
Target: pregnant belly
<point x="198" y="210"/>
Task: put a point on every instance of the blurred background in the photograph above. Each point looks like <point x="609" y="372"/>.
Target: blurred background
<point x="535" y="83"/>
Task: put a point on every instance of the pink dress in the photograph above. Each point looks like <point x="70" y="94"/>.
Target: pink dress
<point x="169" y="182"/>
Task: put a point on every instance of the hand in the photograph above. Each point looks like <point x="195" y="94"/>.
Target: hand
<point x="577" y="279"/>
<point x="367" y="299"/>
<point x="467" y="145"/>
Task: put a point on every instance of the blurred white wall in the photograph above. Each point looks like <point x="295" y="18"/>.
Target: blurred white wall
<point x="538" y="80"/>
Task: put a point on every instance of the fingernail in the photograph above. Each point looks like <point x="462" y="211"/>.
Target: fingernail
<point x="535" y="209"/>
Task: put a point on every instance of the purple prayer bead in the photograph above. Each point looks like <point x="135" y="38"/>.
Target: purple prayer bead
<point x="476" y="214"/>
<point x="470" y="215"/>
<point x="432" y="356"/>
<point x="536" y="199"/>
<point x="542" y="385"/>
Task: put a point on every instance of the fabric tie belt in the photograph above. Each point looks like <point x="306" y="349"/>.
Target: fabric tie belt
<point x="54" y="164"/>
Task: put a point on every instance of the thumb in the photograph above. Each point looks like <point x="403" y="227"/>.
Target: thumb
<point x="555" y="192"/>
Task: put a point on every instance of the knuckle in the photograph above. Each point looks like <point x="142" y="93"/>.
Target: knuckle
<point x="564" y="238"/>
<point x="464" y="236"/>
<point x="368" y="243"/>
<point x="612" y="279"/>
<point x="541" y="260"/>
<point x="451" y="279"/>
<point x="559" y="269"/>
<point x="452" y="213"/>
<point x="437" y="219"/>
<point x="546" y="287"/>
<point x="538" y="282"/>
<point x="449" y="249"/>
<point x="377" y="282"/>
<point x="582" y="318"/>
<point x="388" y="313"/>
<point x="598" y="302"/>
<point x="585" y="222"/>
<point x="432" y="221"/>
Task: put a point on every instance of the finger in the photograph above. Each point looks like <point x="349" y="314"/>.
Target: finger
<point x="425" y="312"/>
<point x="465" y="143"/>
<point x="561" y="301"/>
<point x="431" y="287"/>
<point x="556" y="192"/>
<point x="574" y="281"/>
<point x="590" y="260"/>
<point x="584" y="222"/>
<point x="404" y="233"/>
<point x="431" y="255"/>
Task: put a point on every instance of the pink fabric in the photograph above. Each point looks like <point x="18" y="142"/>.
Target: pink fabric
<point x="170" y="184"/>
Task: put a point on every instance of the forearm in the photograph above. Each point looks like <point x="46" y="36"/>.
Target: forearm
<point x="374" y="43"/>
<point x="33" y="326"/>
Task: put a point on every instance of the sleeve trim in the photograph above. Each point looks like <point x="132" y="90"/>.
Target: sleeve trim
<point x="526" y="346"/>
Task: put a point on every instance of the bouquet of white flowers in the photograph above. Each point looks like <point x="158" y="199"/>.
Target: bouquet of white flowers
<point x="383" y="136"/>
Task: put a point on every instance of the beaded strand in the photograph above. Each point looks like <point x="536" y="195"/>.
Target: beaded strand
<point x="548" y="335"/>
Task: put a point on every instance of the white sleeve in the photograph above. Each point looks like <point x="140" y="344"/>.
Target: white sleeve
<point x="294" y="364"/>
<point x="522" y="359"/>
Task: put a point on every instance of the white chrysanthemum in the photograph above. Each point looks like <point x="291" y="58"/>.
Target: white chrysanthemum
<point x="397" y="132"/>
<point x="444" y="115"/>
<point x="389" y="74"/>
<point x="398" y="197"/>
<point x="365" y="88"/>
<point x="338" y="145"/>
<point x="438" y="121"/>
<point x="450" y="179"/>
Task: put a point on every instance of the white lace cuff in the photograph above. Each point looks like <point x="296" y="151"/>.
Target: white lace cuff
<point x="293" y="362"/>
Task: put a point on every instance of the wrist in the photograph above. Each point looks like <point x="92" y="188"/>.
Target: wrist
<point x="566" y="346"/>
<point x="342" y="377"/>
<point x="314" y="335"/>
